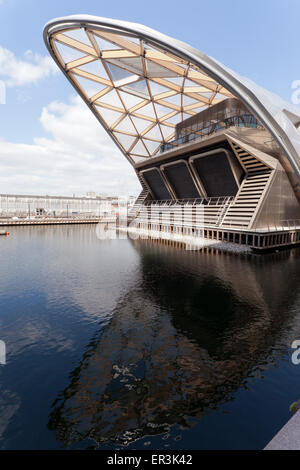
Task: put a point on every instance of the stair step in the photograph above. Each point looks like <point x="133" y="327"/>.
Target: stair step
<point x="254" y="183"/>
<point x="248" y="159"/>
<point x="252" y="192"/>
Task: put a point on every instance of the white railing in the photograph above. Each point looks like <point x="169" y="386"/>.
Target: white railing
<point x="191" y="212"/>
<point x="216" y="201"/>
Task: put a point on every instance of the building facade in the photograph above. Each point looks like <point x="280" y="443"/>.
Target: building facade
<point x="14" y="205"/>
<point x="199" y="136"/>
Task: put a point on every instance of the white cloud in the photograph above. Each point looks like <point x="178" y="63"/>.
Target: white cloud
<point x="78" y="156"/>
<point x="30" y="69"/>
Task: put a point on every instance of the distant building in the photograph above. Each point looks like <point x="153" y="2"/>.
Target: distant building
<point x="91" y="194"/>
<point x="52" y="206"/>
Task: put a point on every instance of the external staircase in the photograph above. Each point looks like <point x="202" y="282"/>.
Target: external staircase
<point x="243" y="209"/>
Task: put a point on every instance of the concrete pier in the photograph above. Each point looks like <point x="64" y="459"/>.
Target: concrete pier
<point x="55" y="221"/>
<point x="288" y="438"/>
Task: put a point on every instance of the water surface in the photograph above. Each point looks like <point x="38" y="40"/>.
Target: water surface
<point x="131" y="344"/>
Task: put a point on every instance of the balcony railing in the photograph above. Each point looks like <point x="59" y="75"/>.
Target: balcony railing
<point x="205" y="129"/>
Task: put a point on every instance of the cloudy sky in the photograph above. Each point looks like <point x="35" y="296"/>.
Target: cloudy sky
<point x="50" y="143"/>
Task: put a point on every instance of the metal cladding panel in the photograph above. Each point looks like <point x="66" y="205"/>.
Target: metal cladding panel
<point x="181" y="181"/>
<point x="216" y="175"/>
<point x="157" y="185"/>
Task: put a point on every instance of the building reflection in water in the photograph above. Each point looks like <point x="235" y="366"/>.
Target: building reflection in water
<point x="192" y="332"/>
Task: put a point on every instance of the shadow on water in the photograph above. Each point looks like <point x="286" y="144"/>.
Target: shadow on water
<point x="193" y="331"/>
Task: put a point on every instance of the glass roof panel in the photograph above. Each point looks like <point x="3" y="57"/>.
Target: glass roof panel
<point x="80" y="35"/>
<point x="157" y="89"/>
<point x="109" y="116"/>
<point x="89" y="86"/>
<point x="162" y="110"/>
<point x="68" y="54"/>
<point x="119" y="74"/>
<point x="125" y="140"/>
<point x="139" y="149"/>
<point x="145" y="76"/>
<point x="136" y="41"/>
<point x="126" y="126"/>
<point x="140" y="124"/>
<point x="166" y="131"/>
<point x="138" y="88"/>
<point x="176" y="80"/>
<point x="111" y="98"/>
<point x="157" y="71"/>
<point x="151" y="146"/>
<point x="175" y="99"/>
<point x="105" y="45"/>
<point x="187" y="100"/>
<point x="130" y="100"/>
<point x="132" y="64"/>
<point x="154" y="133"/>
<point x="146" y="110"/>
<point x="174" y="119"/>
<point x="95" y="68"/>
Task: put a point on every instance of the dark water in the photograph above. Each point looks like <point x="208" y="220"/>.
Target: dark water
<point x="122" y="343"/>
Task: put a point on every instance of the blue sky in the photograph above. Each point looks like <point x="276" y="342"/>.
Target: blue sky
<point x="258" y="39"/>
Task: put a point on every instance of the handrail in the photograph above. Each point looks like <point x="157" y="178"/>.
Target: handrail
<point x="244" y="120"/>
<point x="205" y="201"/>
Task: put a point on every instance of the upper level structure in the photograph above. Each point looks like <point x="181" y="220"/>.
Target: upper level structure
<point x="192" y="129"/>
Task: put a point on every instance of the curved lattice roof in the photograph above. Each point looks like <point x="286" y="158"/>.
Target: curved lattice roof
<point x="140" y="83"/>
<point x="138" y="91"/>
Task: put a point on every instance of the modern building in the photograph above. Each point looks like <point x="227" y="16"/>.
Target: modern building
<point x="201" y="138"/>
<point x="16" y="205"/>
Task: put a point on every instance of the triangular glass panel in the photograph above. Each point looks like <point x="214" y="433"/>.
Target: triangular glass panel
<point x="154" y="133"/>
<point x="205" y="95"/>
<point x="130" y="100"/>
<point x="125" y="140"/>
<point x="79" y="35"/>
<point x="89" y="86"/>
<point x="166" y="131"/>
<point x="157" y="89"/>
<point x="219" y="96"/>
<point x="105" y="45"/>
<point x="181" y="65"/>
<point x="175" y="119"/>
<point x="126" y="126"/>
<point x="117" y="73"/>
<point x="189" y="83"/>
<point x="195" y="73"/>
<point x="68" y="54"/>
<point x="140" y="124"/>
<point x="111" y="98"/>
<point x="95" y="68"/>
<point x="132" y="64"/>
<point x="139" y="149"/>
<point x="176" y="80"/>
<point x="147" y="111"/>
<point x="151" y="146"/>
<point x="162" y="110"/>
<point x="175" y="99"/>
<point x="157" y="71"/>
<point x="187" y="100"/>
<point x="199" y="109"/>
<point x="109" y="116"/>
<point x="136" y="41"/>
<point x="138" y="88"/>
